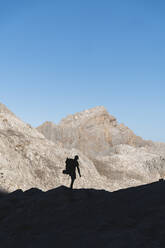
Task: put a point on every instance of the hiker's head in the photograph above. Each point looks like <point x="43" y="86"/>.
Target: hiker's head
<point x="76" y="157"/>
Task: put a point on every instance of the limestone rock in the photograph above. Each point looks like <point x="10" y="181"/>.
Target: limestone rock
<point x="92" y="131"/>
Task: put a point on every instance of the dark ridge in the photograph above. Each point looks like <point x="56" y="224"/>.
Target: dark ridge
<point x="61" y="217"/>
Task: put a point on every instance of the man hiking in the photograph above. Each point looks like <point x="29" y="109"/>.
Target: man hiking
<point x="71" y="165"/>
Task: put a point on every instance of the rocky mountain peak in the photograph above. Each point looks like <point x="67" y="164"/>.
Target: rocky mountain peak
<point x="92" y="131"/>
<point x="11" y="124"/>
<point x="5" y="110"/>
<point x="98" y="114"/>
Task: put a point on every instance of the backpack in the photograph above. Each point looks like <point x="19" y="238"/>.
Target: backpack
<point x="69" y="166"/>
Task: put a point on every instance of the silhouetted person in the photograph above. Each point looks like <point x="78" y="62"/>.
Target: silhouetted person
<point x="71" y="165"/>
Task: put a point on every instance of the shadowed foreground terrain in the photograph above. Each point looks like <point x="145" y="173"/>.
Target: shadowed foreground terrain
<point x="133" y="217"/>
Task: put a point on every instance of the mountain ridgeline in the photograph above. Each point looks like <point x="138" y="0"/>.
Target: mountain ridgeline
<point x="111" y="156"/>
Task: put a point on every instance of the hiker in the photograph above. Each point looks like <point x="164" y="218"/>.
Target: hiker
<point x="71" y="165"/>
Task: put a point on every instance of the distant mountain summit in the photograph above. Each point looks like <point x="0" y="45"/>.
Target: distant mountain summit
<point x="92" y="131"/>
<point x="99" y="114"/>
<point x="4" y="109"/>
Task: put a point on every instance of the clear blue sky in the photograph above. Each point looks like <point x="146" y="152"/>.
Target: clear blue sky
<point x="58" y="57"/>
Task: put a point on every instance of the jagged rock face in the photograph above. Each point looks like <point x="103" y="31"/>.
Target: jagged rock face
<point x="117" y="153"/>
<point x="93" y="132"/>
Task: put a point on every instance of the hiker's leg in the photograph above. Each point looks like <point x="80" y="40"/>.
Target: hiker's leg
<point x="72" y="181"/>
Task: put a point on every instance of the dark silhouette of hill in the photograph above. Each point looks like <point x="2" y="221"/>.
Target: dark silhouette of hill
<point x="133" y="217"/>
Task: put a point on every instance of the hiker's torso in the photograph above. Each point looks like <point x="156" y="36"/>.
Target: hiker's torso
<point x="72" y="164"/>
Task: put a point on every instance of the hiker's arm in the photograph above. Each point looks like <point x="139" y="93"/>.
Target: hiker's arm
<point x="78" y="170"/>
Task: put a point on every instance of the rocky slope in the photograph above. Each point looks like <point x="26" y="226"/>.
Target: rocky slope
<point x="117" y="153"/>
<point x="61" y="217"/>
<point x="28" y="159"/>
